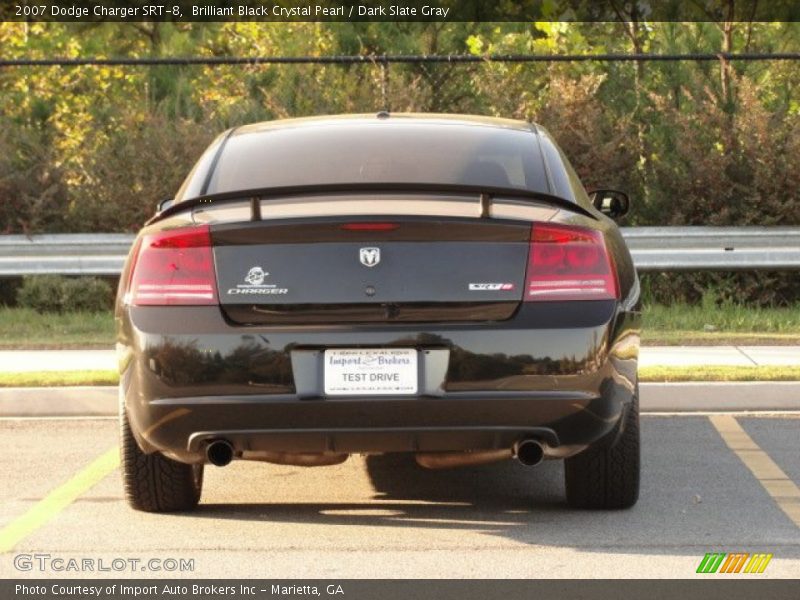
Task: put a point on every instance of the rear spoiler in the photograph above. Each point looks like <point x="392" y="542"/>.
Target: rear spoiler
<point x="485" y="195"/>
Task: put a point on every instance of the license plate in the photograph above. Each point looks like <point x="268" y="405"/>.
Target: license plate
<point x="371" y="372"/>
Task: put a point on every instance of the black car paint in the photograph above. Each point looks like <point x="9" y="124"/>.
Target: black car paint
<point x="561" y="372"/>
<point x="567" y="376"/>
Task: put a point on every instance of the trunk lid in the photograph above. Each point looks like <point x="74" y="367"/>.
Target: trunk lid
<point x="349" y="270"/>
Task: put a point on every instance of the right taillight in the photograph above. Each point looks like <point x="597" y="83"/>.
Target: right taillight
<point x="569" y="263"/>
<point x="174" y="267"/>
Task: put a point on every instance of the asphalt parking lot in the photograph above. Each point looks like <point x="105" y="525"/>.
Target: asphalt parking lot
<point x="711" y="483"/>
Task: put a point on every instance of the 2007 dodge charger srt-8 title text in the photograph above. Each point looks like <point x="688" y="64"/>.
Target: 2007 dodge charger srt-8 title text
<point x="431" y="284"/>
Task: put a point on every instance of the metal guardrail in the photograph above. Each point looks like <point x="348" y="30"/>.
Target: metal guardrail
<point x="714" y="248"/>
<point x="64" y="254"/>
<point x="653" y="249"/>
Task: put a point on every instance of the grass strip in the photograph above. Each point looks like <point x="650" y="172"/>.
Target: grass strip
<point x="661" y="337"/>
<point x="59" y="378"/>
<point x="25" y="329"/>
<point x="719" y="373"/>
<point x="708" y="323"/>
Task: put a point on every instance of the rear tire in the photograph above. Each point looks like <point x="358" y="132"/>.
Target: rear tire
<point x="607" y="477"/>
<point x="153" y="482"/>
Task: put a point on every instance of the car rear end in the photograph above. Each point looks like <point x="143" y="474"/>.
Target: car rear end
<point x="302" y="326"/>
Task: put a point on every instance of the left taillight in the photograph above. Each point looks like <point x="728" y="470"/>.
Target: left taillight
<point x="174" y="267"/>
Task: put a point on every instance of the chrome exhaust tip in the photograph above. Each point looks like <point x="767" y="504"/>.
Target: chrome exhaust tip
<point x="219" y="453"/>
<point x="529" y="452"/>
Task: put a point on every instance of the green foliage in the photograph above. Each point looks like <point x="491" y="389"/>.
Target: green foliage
<point x="121" y="187"/>
<point x="54" y="293"/>
<point x="41" y="293"/>
<point x="761" y="288"/>
<point x="85" y="293"/>
<point x="33" y="192"/>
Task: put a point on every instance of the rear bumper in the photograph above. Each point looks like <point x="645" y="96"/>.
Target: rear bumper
<point x="565" y="423"/>
<point x="563" y="379"/>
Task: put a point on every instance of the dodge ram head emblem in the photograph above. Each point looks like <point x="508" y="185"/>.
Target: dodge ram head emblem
<point x="370" y="256"/>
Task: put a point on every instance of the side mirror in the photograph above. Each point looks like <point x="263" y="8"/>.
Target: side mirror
<point x="165" y="203"/>
<point x="612" y="203"/>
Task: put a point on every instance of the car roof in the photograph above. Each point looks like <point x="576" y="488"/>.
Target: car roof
<point x="356" y="120"/>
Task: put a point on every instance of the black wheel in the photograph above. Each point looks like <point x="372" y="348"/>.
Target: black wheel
<point x="607" y="477"/>
<point x="153" y="482"/>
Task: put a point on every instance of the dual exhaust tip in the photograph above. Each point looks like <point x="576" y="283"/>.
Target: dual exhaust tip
<point x="219" y="453"/>
<point x="529" y="452"/>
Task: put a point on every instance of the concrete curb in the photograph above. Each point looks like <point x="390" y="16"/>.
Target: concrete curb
<point x="101" y="401"/>
<point x="77" y="401"/>
<point x="688" y="396"/>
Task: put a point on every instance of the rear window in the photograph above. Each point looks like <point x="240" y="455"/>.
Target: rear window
<point x="380" y="152"/>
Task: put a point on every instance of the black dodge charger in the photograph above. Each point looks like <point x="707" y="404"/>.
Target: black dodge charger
<point x="429" y="284"/>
